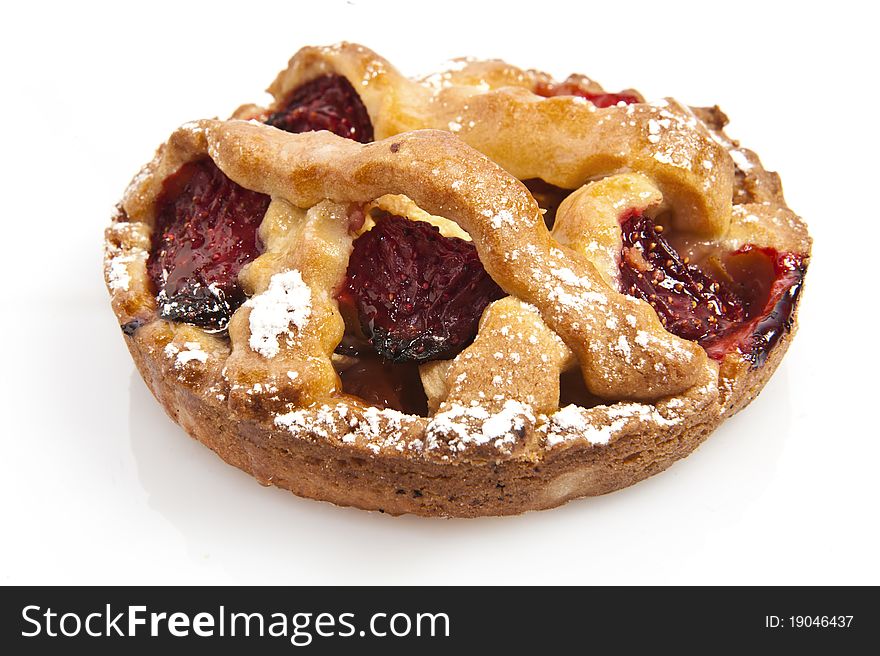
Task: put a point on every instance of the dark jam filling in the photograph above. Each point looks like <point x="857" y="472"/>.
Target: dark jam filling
<point x="689" y="303"/>
<point x="329" y="103"/>
<point x="549" y="197"/>
<point x="205" y="232"/>
<point x="771" y="315"/>
<point x="385" y="384"/>
<point x="600" y="100"/>
<point x="742" y="300"/>
<point x="366" y="374"/>
<point x="573" y="390"/>
<point x="418" y="296"/>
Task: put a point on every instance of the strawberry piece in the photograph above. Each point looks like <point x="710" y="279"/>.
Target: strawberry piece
<point x="745" y="300"/>
<point x="205" y="232"/>
<point x="689" y="303"/>
<point x="600" y="100"/>
<point x="770" y="283"/>
<point x="329" y="103"/>
<point x="418" y="295"/>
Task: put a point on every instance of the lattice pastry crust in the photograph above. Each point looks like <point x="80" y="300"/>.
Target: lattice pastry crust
<point x="267" y="397"/>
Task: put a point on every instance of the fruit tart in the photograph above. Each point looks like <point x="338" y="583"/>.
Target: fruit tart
<point x="477" y="293"/>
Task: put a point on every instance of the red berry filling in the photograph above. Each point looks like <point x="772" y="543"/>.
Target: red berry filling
<point x="600" y="100"/>
<point x="205" y="232"/>
<point x="770" y="283"/>
<point x="689" y="303"/>
<point x="418" y="295"/>
<point x="326" y="103"/>
<point x="743" y="300"/>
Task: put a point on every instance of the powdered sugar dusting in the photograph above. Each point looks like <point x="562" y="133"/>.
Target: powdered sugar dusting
<point x="118" y="276"/>
<point x="458" y="427"/>
<point x="117" y="273"/>
<point x="599" y="425"/>
<point x="192" y="351"/>
<point x="500" y="428"/>
<point x="570" y="418"/>
<point x="501" y="218"/>
<point x="741" y="161"/>
<point x="374" y="428"/>
<point x="287" y="302"/>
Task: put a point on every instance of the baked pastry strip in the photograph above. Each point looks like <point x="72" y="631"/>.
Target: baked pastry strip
<point x="563" y="140"/>
<point x="504" y="223"/>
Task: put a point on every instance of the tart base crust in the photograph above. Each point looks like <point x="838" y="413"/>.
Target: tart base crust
<point x="312" y="467"/>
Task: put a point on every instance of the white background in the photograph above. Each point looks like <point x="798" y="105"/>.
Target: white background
<point x="98" y="486"/>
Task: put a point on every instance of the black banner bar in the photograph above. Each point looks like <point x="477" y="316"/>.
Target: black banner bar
<point x="432" y="620"/>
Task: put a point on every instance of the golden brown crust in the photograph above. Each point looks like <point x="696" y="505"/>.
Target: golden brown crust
<point x="682" y="152"/>
<point x="314" y="466"/>
<point x="496" y="441"/>
<point x="564" y="140"/>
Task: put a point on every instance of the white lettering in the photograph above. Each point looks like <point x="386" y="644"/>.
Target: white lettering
<point x="394" y="619"/>
<point x="178" y="625"/>
<point x="373" y="625"/>
<point x="298" y="625"/>
<point x="113" y="624"/>
<point x="134" y="619"/>
<point x="77" y="623"/>
<point x="89" y="618"/>
<point x="203" y="625"/>
<point x="24" y="616"/>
